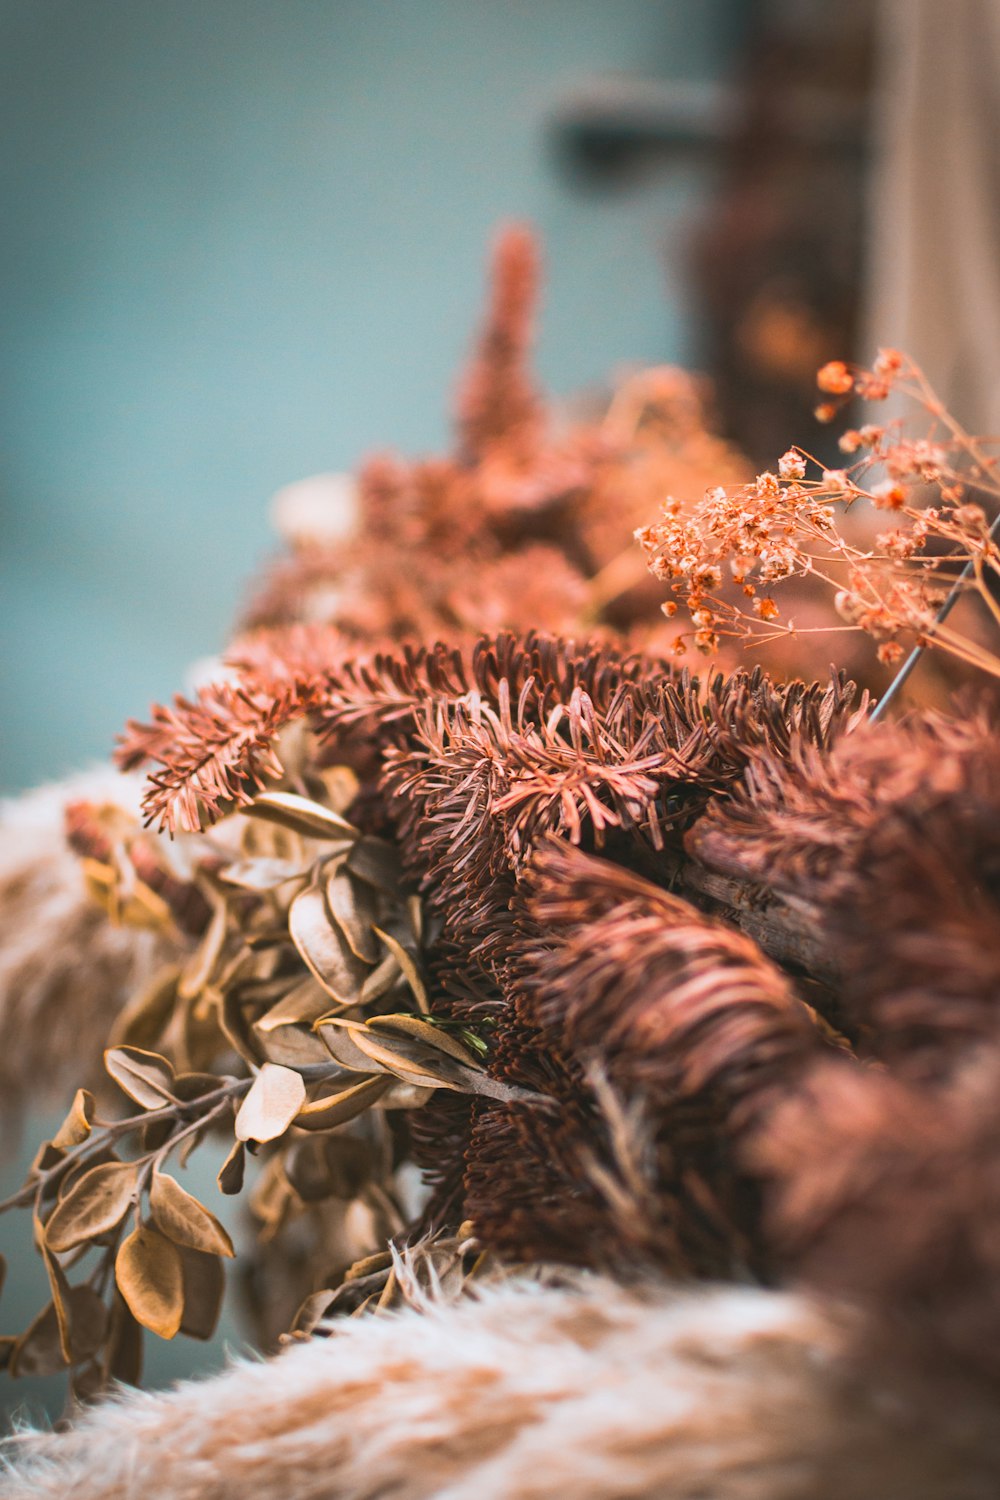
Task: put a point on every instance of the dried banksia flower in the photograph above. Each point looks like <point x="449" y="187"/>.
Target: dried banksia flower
<point x="902" y="821"/>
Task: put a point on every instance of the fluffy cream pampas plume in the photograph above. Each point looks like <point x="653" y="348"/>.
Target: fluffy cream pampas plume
<point x="65" y="970"/>
<point x="520" y="1393"/>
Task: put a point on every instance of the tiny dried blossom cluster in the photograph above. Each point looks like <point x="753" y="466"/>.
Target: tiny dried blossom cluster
<point x="723" y="557"/>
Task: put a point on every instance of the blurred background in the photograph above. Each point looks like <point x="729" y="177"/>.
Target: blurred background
<point x="244" y="242"/>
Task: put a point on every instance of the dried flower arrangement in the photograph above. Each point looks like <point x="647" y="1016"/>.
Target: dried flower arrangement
<point x="527" y="952"/>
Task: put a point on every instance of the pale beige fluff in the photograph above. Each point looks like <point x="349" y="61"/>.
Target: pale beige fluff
<point x="590" y="1392"/>
<point x="65" y="970"/>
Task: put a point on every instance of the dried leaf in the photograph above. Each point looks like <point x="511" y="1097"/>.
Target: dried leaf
<point x="311" y="1311"/>
<point x="260" y="874"/>
<point x="381" y="980"/>
<point x="337" y="1109"/>
<point x="275" y="1098"/>
<point x="82" y="1319"/>
<point x="341" y="785"/>
<point x="78" y="1123"/>
<point x="123" y="1360"/>
<point x="377" y="862"/>
<point x="199" y="968"/>
<point x="204" y="1289"/>
<point x="236" y="1028"/>
<point x="408" y="965"/>
<point x="301" y="815"/>
<point x="353" y="906"/>
<point x="302" y="1005"/>
<point x="231" y="1173"/>
<point x="96" y="1203"/>
<point x="149" y="1271"/>
<point x="338" y="1040"/>
<point x="38" y="1351"/>
<point x="145" y="1018"/>
<point x="293" y="1047"/>
<point x="423" y="1031"/>
<point x="145" y="1076"/>
<point x="410" y="1061"/>
<point x="402" y="1095"/>
<point x="184" y="1220"/>
<point x="324" y="948"/>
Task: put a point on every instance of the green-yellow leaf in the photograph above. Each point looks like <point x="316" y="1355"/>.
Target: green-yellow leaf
<point x="184" y="1220"/>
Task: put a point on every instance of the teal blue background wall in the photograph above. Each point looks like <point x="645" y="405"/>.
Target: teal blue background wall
<point x="243" y="241"/>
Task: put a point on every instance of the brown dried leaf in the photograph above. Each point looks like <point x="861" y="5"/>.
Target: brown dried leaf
<point x="423" y="1031"/>
<point x="149" y="1271"/>
<point x="311" y="1312"/>
<point x="293" y="1047"/>
<point x="204" y="1289"/>
<point x="381" y="980"/>
<point x="199" y="968"/>
<point x="354" y="908"/>
<point x="146" y="1077"/>
<point x="377" y="862"/>
<point x="231" y="1173"/>
<point x="78" y="1123"/>
<point x="38" y="1351"/>
<point x="302" y="1005"/>
<point x="408" y="965"/>
<point x="145" y="1018"/>
<point x="184" y="1220"/>
<point x="123" y="1360"/>
<point x="337" y="1109"/>
<point x="338" y="1039"/>
<point x="410" y="1061"/>
<point x="324" y="948"/>
<point x="275" y="1098"/>
<point x="96" y="1203"/>
<point x="260" y="874"/>
<point x="301" y="815"/>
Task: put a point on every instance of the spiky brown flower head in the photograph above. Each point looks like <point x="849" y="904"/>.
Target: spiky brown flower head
<point x="887" y="1193"/>
<point x="444" y="545"/>
<point x="892" y="838"/>
<point x="497" y="400"/>
<point x="642" y="1001"/>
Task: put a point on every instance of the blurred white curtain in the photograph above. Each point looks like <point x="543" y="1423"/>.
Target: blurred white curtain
<point x="935" y="273"/>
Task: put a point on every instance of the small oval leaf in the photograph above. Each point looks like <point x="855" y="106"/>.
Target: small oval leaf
<point x="301" y="815"/>
<point x="95" y="1204"/>
<point x="184" y="1220"/>
<point x="408" y="965"/>
<point x="423" y="1031"/>
<point x="275" y="1098"/>
<point x="78" y="1123"/>
<point x="337" y="1109"/>
<point x="145" y="1076"/>
<point x="232" y="1171"/>
<point x="204" y="1288"/>
<point x="149" y="1271"/>
<point x="353" y="907"/>
<point x="324" y="948"/>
